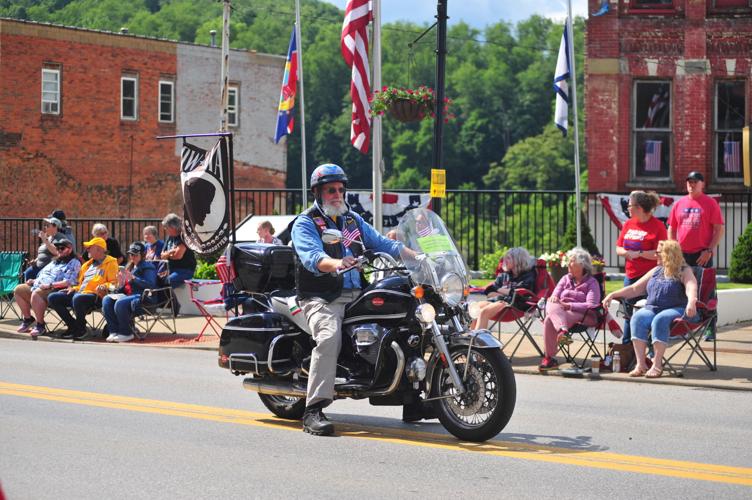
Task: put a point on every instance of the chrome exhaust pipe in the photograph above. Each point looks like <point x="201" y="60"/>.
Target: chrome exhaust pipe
<point x="397" y="373"/>
<point x="273" y="388"/>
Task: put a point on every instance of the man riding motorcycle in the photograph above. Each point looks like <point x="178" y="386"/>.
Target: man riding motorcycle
<point x="322" y="293"/>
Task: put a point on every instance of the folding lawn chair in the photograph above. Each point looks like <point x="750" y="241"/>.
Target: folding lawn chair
<point x="11" y="267"/>
<point x="156" y="309"/>
<point x="524" y="317"/>
<point x="209" y="308"/>
<point x="588" y="335"/>
<point x="690" y="334"/>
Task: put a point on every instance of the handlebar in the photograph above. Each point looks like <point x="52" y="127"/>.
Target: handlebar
<point x="365" y="258"/>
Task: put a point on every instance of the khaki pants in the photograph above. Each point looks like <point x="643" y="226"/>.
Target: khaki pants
<point x="325" y="321"/>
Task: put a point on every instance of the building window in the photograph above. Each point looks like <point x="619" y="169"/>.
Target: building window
<point x="51" y="91"/>
<point x="128" y="98"/>
<point x="730" y="4"/>
<point x="652" y="4"/>
<point x="730" y="104"/>
<point x="233" y="107"/>
<point x="166" y="101"/>
<point x="651" y="129"/>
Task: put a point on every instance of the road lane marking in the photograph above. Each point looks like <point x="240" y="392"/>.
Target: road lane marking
<point x="509" y="449"/>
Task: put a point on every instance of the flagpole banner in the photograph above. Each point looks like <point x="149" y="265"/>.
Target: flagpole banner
<point x="204" y="176"/>
<point x="561" y="85"/>
<point x="394" y="206"/>
<point x="354" y="43"/>
<point x="615" y="206"/>
<point x="285" y="118"/>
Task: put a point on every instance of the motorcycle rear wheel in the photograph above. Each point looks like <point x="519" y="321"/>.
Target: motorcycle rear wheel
<point x="289" y="408"/>
<point x="488" y="403"/>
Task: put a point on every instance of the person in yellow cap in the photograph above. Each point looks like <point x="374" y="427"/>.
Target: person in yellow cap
<point x="98" y="277"/>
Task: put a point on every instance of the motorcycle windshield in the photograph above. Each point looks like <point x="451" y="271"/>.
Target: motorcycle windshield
<point x="433" y="257"/>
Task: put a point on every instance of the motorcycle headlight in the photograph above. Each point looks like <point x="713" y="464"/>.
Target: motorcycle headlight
<point x="452" y="289"/>
<point x="425" y="313"/>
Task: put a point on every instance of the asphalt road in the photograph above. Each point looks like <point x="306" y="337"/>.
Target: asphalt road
<point x="84" y="421"/>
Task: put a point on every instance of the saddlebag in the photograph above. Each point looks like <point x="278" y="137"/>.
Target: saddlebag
<point x="263" y="268"/>
<point x="246" y="343"/>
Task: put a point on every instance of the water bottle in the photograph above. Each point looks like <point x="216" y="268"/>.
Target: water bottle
<point x="616" y="368"/>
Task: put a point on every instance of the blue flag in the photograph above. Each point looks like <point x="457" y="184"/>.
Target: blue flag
<point x="561" y="84"/>
<point x="285" y="119"/>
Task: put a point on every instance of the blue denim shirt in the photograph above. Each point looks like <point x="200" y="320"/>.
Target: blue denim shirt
<point x="310" y="248"/>
<point x="58" y="271"/>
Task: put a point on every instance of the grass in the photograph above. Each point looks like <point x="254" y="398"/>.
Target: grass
<point x="615" y="285"/>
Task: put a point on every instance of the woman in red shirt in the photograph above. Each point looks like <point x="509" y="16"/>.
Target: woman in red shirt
<point x="638" y="244"/>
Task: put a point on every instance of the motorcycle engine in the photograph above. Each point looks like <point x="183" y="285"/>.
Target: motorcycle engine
<point x="366" y="340"/>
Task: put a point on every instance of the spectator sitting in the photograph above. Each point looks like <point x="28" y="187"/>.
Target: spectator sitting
<point x="638" y="243"/>
<point x="96" y="278"/>
<point x="66" y="229"/>
<point x="180" y="260"/>
<point x="154" y="245"/>
<point x="265" y="233"/>
<point x="672" y="292"/>
<point x="113" y="247"/>
<point x="574" y="295"/>
<point x="32" y="295"/>
<point x="47" y="249"/>
<point x="119" y="308"/>
<point x="518" y="272"/>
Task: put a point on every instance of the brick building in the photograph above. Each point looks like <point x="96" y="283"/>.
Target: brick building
<point x="80" y="110"/>
<point x="667" y="92"/>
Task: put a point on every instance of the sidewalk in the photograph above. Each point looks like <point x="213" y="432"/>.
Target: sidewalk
<point x="734" y="357"/>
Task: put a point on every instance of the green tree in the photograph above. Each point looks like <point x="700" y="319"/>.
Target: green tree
<point x="741" y="258"/>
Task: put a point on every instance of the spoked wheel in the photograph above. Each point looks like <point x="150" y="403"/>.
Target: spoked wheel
<point x="287" y="407"/>
<point x="490" y="394"/>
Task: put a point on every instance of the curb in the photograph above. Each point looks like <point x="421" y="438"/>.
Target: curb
<point x="45" y="338"/>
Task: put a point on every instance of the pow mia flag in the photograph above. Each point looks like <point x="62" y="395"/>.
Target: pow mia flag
<point x="204" y="178"/>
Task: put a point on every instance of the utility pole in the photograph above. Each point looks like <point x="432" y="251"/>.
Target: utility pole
<point x="225" y="70"/>
<point x="438" y="126"/>
<point x="378" y="162"/>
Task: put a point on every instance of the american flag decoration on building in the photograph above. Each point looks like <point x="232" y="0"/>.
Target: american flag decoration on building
<point x="355" y="52"/>
<point x="653" y="156"/>
<point x="731" y="157"/>
<point x="350" y="236"/>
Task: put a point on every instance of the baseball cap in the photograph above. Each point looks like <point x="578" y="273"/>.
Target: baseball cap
<point x="695" y="176"/>
<point x="62" y="242"/>
<point x="53" y="220"/>
<point x="96" y="242"/>
<point x="58" y="214"/>
<point x="137" y="247"/>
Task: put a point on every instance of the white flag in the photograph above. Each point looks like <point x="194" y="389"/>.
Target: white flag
<point x="561" y="84"/>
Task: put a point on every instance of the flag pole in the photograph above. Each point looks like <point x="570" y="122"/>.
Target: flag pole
<point x="573" y="75"/>
<point x="303" y="168"/>
<point x="377" y="137"/>
<point x="225" y="70"/>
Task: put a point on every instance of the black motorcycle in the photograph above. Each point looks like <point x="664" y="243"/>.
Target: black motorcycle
<point x="404" y="338"/>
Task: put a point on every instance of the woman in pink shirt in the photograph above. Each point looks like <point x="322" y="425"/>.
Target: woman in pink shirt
<point x="570" y="303"/>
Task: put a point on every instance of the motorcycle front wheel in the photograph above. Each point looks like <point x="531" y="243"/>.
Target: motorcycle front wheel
<point x="490" y="394"/>
<point x="286" y="407"/>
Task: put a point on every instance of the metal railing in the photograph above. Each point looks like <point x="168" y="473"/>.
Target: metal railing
<point x="481" y="221"/>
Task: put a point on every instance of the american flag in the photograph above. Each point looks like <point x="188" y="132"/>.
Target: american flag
<point x="350" y="236"/>
<point x="731" y="157"/>
<point x="424" y="231"/>
<point x="653" y="156"/>
<point x="225" y="270"/>
<point x="355" y="53"/>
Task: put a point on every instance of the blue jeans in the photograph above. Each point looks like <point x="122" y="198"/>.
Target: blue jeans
<point x="81" y="303"/>
<point x="119" y="313"/>
<point x="178" y="276"/>
<point x="629" y="309"/>
<point x="658" y="324"/>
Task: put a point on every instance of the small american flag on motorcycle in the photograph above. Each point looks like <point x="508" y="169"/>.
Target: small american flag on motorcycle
<point x="424" y="231"/>
<point x="225" y="270"/>
<point x="350" y="236"/>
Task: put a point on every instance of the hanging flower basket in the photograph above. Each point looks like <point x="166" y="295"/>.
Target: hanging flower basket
<point x="406" y="111"/>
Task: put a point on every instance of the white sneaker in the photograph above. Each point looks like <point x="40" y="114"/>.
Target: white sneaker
<point x="111" y="337"/>
<point x="124" y="338"/>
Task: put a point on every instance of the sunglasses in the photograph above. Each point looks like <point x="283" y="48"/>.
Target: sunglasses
<point x="335" y="190"/>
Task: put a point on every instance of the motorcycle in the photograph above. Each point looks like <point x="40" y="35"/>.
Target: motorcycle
<point x="404" y="339"/>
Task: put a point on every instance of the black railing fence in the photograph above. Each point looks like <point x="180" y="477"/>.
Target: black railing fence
<point x="480" y="221"/>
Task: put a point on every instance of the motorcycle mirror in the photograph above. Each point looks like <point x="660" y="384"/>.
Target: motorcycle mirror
<point x="331" y="236"/>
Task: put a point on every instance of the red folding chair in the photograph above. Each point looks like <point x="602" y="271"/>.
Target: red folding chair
<point x="688" y="334"/>
<point x="209" y="308"/>
<point x="524" y="317"/>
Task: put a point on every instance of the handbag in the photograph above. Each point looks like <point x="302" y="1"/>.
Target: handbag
<point x="626" y="357"/>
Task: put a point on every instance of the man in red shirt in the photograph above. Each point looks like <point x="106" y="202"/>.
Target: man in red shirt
<point x="696" y="222"/>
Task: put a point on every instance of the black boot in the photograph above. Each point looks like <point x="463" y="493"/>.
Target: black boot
<point x="316" y="423"/>
<point x="420" y="410"/>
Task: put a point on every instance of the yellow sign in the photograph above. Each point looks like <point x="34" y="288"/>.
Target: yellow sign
<point x="745" y="157"/>
<point x="438" y="183"/>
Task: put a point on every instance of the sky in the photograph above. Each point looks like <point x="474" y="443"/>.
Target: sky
<point x="476" y="13"/>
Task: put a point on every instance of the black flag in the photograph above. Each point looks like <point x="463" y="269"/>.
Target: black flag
<point x="204" y="177"/>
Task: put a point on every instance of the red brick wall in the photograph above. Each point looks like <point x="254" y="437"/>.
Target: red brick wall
<point x="86" y="159"/>
<point x="617" y="47"/>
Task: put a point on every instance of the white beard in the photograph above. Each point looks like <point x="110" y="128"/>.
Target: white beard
<point x="333" y="211"/>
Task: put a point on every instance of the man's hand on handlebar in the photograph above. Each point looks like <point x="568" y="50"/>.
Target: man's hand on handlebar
<point x="347" y="262"/>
